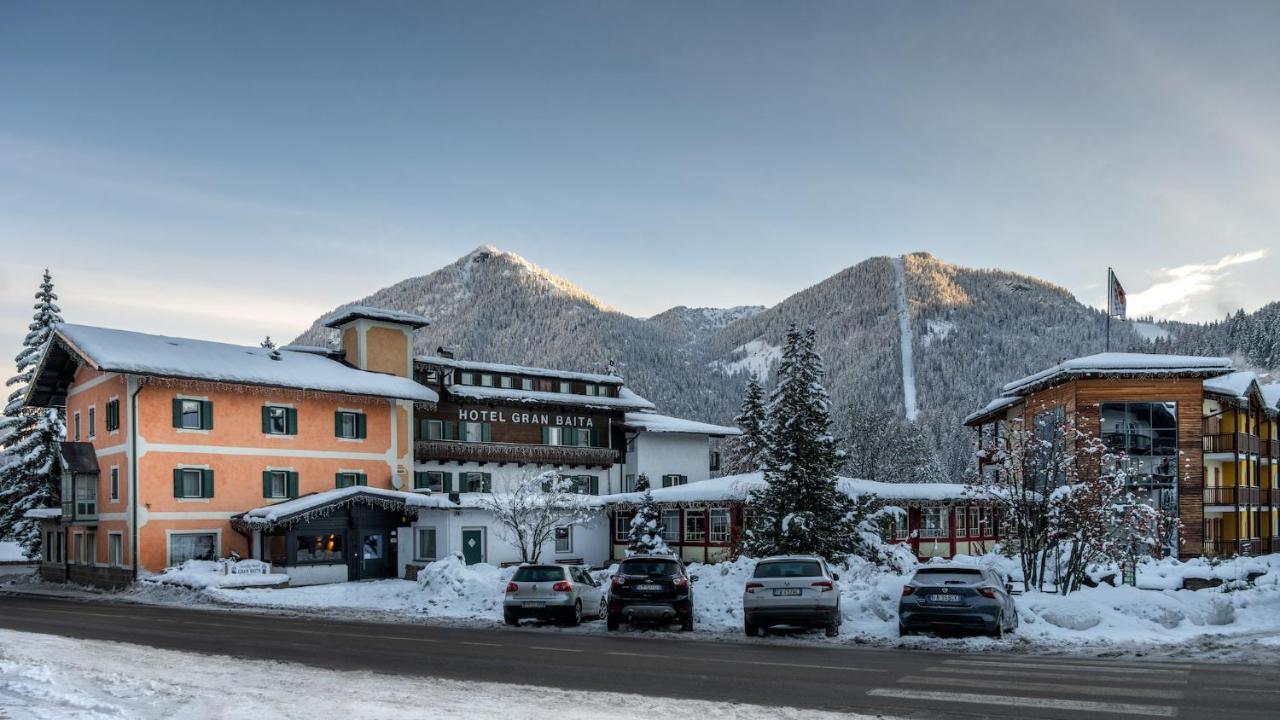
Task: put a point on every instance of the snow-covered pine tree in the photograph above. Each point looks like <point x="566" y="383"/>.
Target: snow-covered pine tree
<point x="802" y="510"/>
<point x="745" y="453"/>
<point x="645" y="535"/>
<point x="30" y="436"/>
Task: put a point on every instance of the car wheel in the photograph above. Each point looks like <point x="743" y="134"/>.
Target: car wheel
<point x="750" y="628"/>
<point x="510" y="619"/>
<point x="604" y="610"/>
<point x="613" y="622"/>
<point x="998" y="633"/>
<point x="903" y="631"/>
<point x="833" y="628"/>
<point x="687" y="625"/>
<point x="576" y="617"/>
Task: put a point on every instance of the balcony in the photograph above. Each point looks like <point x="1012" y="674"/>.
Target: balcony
<point x="1231" y="443"/>
<point x="1218" y="547"/>
<point x="1236" y="495"/>
<point x="449" y="450"/>
<point x="1271" y="449"/>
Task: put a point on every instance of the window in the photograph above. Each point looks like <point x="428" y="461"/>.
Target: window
<point x="77" y="548"/>
<point x="433" y="375"/>
<point x="192" y="483"/>
<point x="671" y="526"/>
<point x="719" y="525"/>
<point x="984" y="523"/>
<point x="113" y="415"/>
<point x="46" y="547"/>
<point x="350" y="479"/>
<point x="93" y="422"/>
<point x="76" y="424"/>
<point x="192" y="546"/>
<point x="564" y="540"/>
<point x="434" y="429"/>
<point x="192" y="414"/>
<point x="629" y="483"/>
<point x="433" y="480"/>
<point x="507" y="381"/>
<point x="1147" y="433"/>
<point x="475" y="482"/>
<point x="715" y="461"/>
<point x="674" y="480"/>
<point x="275" y="484"/>
<point x="115" y="483"/>
<point x="476" y="432"/>
<point x="468" y="378"/>
<point x="695" y="526"/>
<point x="900" y="523"/>
<point x="486" y="380"/>
<point x="586" y="484"/>
<point x="324" y="548"/>
<point x="115" y="549"/>
<point x="553" y="435"/>
<point x="621" y="525"/>
<point x="566" y="386"/>
<point x="425" y="549"/>
<point x="279" y="420"/>
<point x="973" y="521"/>
<point x="605" y="391"/>
<point x="349" y="425"/>
<point x="933" y="521"/>
<point x="589" y="388"/>
<point x="583" y="436"/>
<point x="86" y="488"/>
<point x="526" y="383"/>
<point x="90" y="547"/>
<point x="1048" y="468"/>
<point x="961" y="526"/>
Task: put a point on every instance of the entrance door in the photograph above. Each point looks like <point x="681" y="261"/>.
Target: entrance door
<point x="375" y="555"/>
<point x="473" y="545"/>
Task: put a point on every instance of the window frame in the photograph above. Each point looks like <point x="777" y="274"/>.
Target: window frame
<point x="486" y="380"/>
<point x="76" y="424"/>
<point x="113" y="483"/>
<point x="622" y="526"/>
<point x="343" y="417"/>
<point x="113" y="415"/>
<point x="506" y="382"/>
<point x="417" y="544"/>
<point x="695" y="518"/>
<point x="171" y="534"/>
<point x="271" y="419"/>
<point x="466" y="377"/>
<point x="283" y="476"/>
<point x="526" y="383"/>
<point x="199" y="415"/>
<point x="567" y="539"/>
<point x="115" y="549"/>
<point x="566" y="387"/>
<point x="722" y="536"/>
<point x="93" y="421"/>
<point x="672" y="532"/>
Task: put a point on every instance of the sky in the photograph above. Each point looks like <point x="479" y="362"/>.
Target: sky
<point x="229" y="170"/>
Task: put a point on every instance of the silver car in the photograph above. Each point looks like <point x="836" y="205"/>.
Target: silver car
<point x="791" y="590"/>
<point x="566" y="593"/>
<point x="954" y="597"/>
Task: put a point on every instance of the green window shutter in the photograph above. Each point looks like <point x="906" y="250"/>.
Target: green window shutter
<point x="362" y="430"/>
<point x="447" y="483"/>
<point x="177" y="482"/>
<point x="338" y="481"/>
<point x="177" y="413"/>
<point x="337" y="424"/>
<point x="595" y="437"/>
<point x="292" y="490"/>
<point x="206" y="415"/>
<point x="291" y="421"/>
<point x="266" y="419"/>
<point x="594" y="484"/>
<point x="546" y="435"/>
<point x="266" y="483"/>
<point x="486" y="482"/>
<point x="486" y="432"/>
<point x="362" y="480"/>
<point x="206" y="483"/>
<point x="419" y="479"/>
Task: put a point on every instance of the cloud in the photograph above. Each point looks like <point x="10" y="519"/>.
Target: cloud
<point x="1172" y="297"/>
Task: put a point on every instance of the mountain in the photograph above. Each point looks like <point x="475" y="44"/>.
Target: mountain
<point x="970" y="331"/>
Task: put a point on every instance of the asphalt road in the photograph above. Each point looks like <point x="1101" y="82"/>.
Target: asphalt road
<point x="895" y="683"/>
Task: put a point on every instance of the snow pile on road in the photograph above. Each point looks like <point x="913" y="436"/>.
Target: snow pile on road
<point x="448" y="588"/>
<point x="214" y="574"/>
<point x="44" y="676"/>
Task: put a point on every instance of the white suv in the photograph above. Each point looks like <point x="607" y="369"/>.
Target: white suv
<point x="791" y="590"/>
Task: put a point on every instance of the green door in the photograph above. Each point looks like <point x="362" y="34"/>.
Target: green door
<point x="473" y="545"/>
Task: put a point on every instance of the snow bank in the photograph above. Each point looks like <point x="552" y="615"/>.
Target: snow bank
<point x="213" y="574"/>
<point x="653" y="422"/>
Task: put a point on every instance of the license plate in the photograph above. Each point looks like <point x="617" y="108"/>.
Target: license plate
<point x="786" y="592"/>
<point x="649" y="588"/>
<point x="534" y="604"/>
<point x="944" y="598"/>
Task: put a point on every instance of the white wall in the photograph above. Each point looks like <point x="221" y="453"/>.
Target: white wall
<point x="590" y="542"/>
<point x="658" y="454"/>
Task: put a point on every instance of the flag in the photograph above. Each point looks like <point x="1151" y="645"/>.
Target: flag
<point x="1115" y="296"/>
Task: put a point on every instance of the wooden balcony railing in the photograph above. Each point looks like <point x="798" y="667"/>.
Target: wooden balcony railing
<point x="1218" y="547"/>
<point x="1271" y="449"/>
<point x="425" y="450"/>
<point x="1220" y="496"/>
<point x="1232" y="443"/>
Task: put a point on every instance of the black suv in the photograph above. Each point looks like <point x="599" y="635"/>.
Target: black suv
<point x="653" y="589"/>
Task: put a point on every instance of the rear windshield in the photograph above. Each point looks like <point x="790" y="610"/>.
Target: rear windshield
<point x="789" y="569"/>
<point x="647" y="567"/>
<point x="949" y="575"/>
<point x="539" y="574"/>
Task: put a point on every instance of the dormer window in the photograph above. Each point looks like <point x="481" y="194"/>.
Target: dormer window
<point x="468" y="378"/>
<point x="566" y="386"/>
<point x="507" y="381"/>
<point x="486" y="380"/>
<point x="590" y="389"/>
<point x="526" y="383"/>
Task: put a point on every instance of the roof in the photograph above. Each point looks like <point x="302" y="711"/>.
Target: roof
<point x="345" y="315"/>
<point x="1122" y="365"/>
<point x="653" y="422"/>
<point x="503" y="369"/>
<point x="43" y="513"/>
<point x="137" y="353"/>
<point x="738" y="487"/>
<point x="626" y="399"/>
<point x="1271" y="395"/>
<point x="993" y="407"/>
<point x="1236" y="384"/>
<point x="79" y="457"/>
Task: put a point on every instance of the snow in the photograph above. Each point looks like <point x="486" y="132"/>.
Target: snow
<point x="212" y="574"/>
<point x="737" y="487"/>
<point x="999" y="403"/>
<point x="1271" y="395"/>
<point x="905" y="342"/>
<point x="626" y="398"/>
<point x="653" y="422"/>
<point x="353" y="312"/>
<point x="12" y="552"/>
<point x="937" y="330"/>
<point x="313" y="349"/>
<point x="1124" y="364"/>
<point x="142" y="354"/>
<point x="758" y="357"/>
<point x="1150" y="331"/>
<point x="45" y="676"/>
<point x="1234" y="385"/>
<point x="43" y="513"/>
<point x="502" y="369"/>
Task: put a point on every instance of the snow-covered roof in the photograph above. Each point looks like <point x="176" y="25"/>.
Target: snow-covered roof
<point x="1236" y="384"/>
<point x="43" y="513"/>
<point x="313" y="349"/>
<point x="1271" y="395"/>
<point x="626" y="399"/>
<point x="137" y="353"/>
<point x="354" y="312"/>
<point x="737" y="487"/>
<point x="992" y="407"/>
<point x="1124" y="365"/>
<point x="653" y="422"/>
<point x="503" y="369"/>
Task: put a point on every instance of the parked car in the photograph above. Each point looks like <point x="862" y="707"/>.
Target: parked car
<point x="566" y="593"/>
<point x="957" y="597"/>
<point x="651" y="589"/>
<point x="798" y="590"/>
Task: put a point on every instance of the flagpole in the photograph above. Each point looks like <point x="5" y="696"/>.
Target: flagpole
<point x="1110" y="293"/>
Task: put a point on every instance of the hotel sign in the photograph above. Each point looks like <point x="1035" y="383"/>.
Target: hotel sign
<point x="525" y="418"/>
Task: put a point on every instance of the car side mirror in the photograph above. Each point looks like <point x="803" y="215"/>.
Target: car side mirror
<point x="835" y="576"/>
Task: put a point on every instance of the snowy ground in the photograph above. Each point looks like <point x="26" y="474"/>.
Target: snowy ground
<point x="12" y="552"/>
<point x="46" y="677"/>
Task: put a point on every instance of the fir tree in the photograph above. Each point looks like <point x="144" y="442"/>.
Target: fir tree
<point x="746" y="452"/>
<point x="801" y="509"/>
<point x="645" y="535"/>
<point x="30" y="436"/>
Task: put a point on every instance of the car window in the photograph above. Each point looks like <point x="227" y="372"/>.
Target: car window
<point x="949" y="575"/>
<point x="648" y="567"/>
<point x="538" y="574"/>
<point x="788" y="569"/>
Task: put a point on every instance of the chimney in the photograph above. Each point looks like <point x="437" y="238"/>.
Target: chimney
<point x="446" y="351"/>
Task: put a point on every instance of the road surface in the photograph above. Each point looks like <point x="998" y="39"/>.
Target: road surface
<point x="896" y="683"/>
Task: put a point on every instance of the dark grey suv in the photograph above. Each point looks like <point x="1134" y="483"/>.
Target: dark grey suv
<point x="957" y="598"/>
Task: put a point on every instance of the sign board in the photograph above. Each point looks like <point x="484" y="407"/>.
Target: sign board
<point x="524" y="418"/>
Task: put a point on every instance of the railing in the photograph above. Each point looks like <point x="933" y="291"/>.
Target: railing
<point x="1220" y="496"/>
<point x="513" y="452"/>
<point x="1232" y="443"/>
<point x="1218" y="547"/>
<point x="1271" y="449"/>
<point x="933" y="533"/>
<point x="1239" y="495"/>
